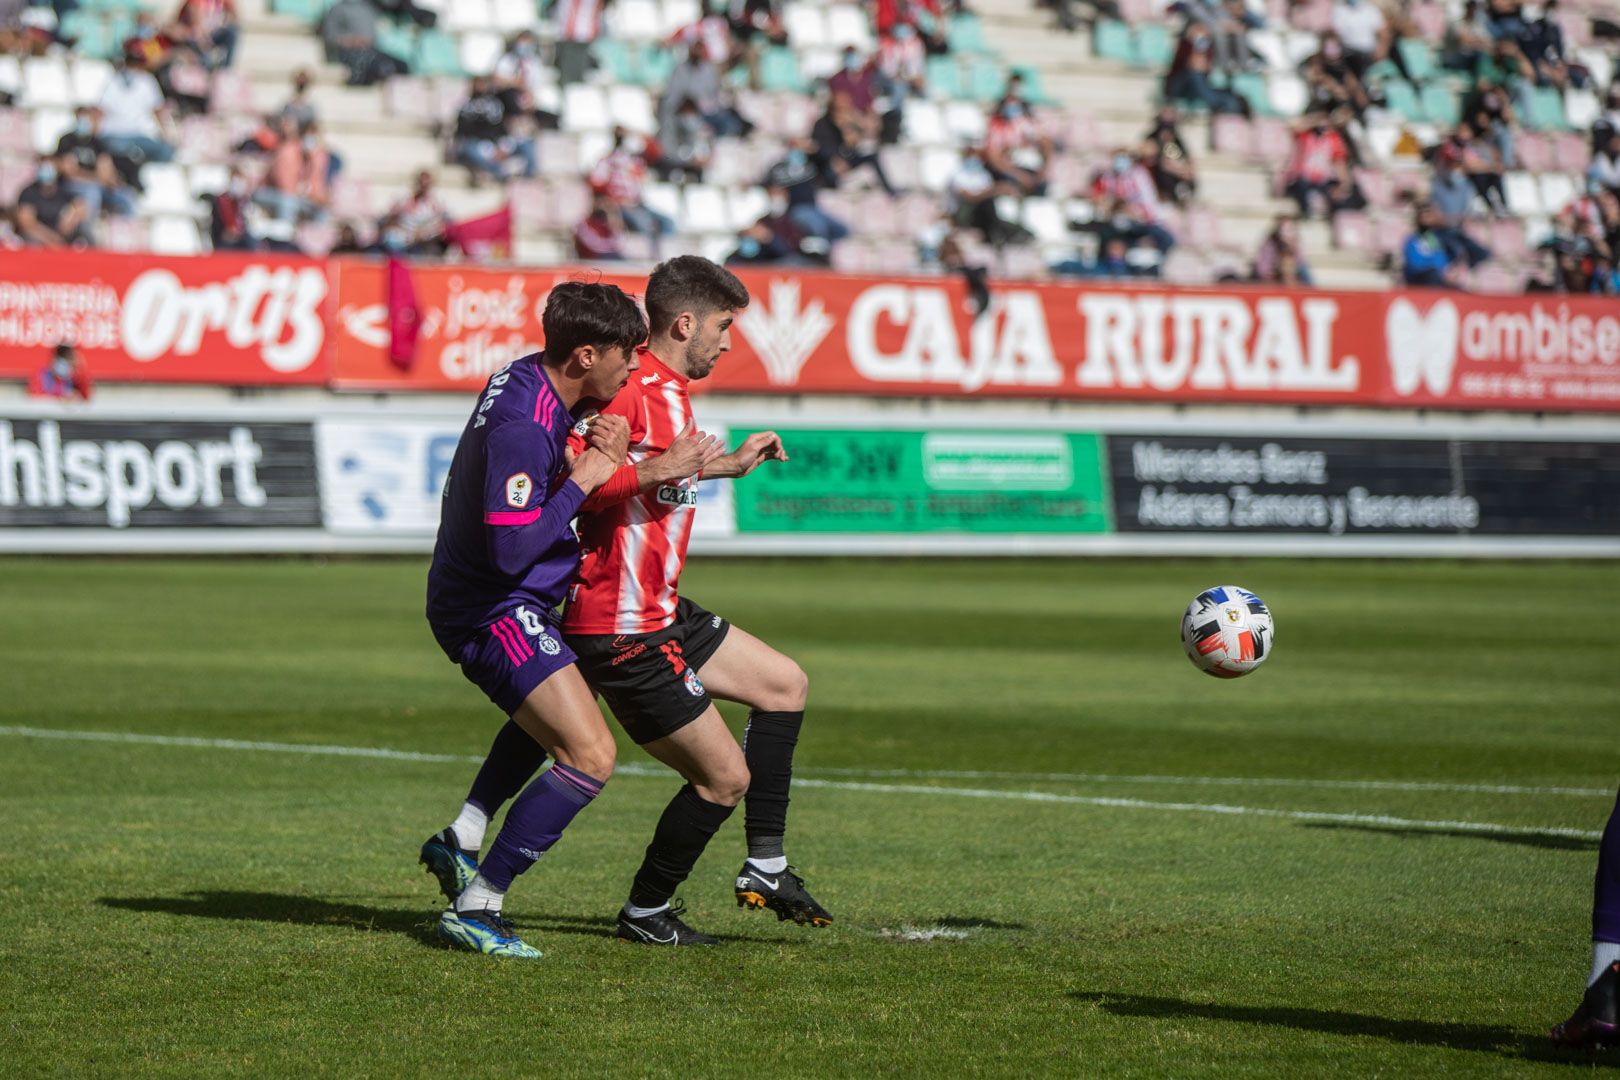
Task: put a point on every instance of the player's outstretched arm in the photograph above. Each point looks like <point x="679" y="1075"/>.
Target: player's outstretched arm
<point x="521" y="517"/>
<point x="758" y="447"/>
<point x="688" y="455"/>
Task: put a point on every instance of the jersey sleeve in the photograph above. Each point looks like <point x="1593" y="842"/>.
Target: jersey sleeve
<point x="523" y="517"/>
<point x="623" y="484"/>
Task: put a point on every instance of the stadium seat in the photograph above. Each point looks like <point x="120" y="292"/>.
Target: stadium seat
<point x="965" y="35"/>
<point x="986" y="82"/>
<point x="817" y="65"/>
<point x="46" y="83"/>
<point x="631" y="107"/>
<point x="90" y="79"/>
<point x="1599" y="63"/>
<point x="662" y="198"/>
<point x="124" y="234"/>
<point x="1507" y="239"/>
<point x="705" y="209"/>
<point x="510" y="16"/>
<point x="806" y="26"/>
<point x="618" y="59"/>
<point x="47" y="126"/>
<point x="1152" y="46"/>
<point x="1546" y="112"/>
<point x="935" y="166"/>
<point x="924" y="123"/>
<point x="1534" y="151"/>
<point x="1270" y="47"/>
<point x="944" y="79"/>
<point x="1522" y="193"/>
<point x="1352" y="231"/>
<point x="464" y="15"/>
<point x="593" y="146"/>
<point x="175" y="236"/>
<point x="15" y="140"/>
<point x="478" y="50"/>
<point x="1044" y="218"/>
<point x="847" y="25"/>
<point x="746" y="206"/>
<point x="209" y="179"/>
<point x="165" y="190"/>
<point x="1111" y="40"/>
<point x="436" y="54"/>
<point x="1402" y="100"/>
<point x="1419" y="59"/>
<point x="1581" y="109"/>
<point x="584" y="108"/>
<point x="632" y="20"/>
<point x="1558" y="190"/>
<point x="1286" y="95"/>
<point x="1441" y="104"/>
<point x="675" y="14"/>
<point x="309" y="11"/>
<point x="779" y="71"/>
<point x="964" y="121"/>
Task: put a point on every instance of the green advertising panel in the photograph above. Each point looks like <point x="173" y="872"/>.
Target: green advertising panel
<point x="934" y="481"/>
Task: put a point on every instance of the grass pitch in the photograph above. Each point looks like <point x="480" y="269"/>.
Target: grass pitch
<point x="1019" y="801"/>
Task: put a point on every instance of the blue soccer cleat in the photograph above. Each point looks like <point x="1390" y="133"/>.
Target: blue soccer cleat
<point x="454" y="867"/>
<point x="486" y="932"/>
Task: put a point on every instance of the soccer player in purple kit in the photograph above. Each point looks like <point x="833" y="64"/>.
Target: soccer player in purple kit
<point x="1597" y="1021"/>
<point x="505" y="555"/>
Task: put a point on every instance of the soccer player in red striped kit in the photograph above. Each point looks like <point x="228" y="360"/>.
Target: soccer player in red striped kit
<point x="657" y="658"/>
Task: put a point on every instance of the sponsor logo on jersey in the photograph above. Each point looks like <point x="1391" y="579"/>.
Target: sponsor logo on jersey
<point x="629" y="653"/>
<point x="519" y="486"/>
<point x="648" y="380"/>
<point x="715" y="622"/>
<point x="674" y="495"/>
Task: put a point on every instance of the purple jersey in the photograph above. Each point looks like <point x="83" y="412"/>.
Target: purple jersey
<point x="504" y="532"/>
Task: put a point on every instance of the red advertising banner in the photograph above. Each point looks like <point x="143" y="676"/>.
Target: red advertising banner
<point x="241" y="320"/>
<point x="809" y="332"/>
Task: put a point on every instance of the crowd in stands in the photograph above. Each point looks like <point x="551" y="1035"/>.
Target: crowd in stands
<point x="1358" y="84"/>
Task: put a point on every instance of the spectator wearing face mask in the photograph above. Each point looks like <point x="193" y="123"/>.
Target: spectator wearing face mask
<point x="903" y="63"/>
<point x="63" y="376"/>
<point x="1188" y="79"/>
<point x="621" y="176"/>
<point x="349" y="31"/>
<point x="48" y="214"/>
<point x="1451" y="196"/>
<point x="860" y="82"/>
<point x="796" y="180"/>
<point x="133" y="114"/>
<point x="1126" y="182"/>
<point x="1365" y="35"/>
<point x="697" y="77"/>
<point x="294" y="187"/>
<point x="1016" y="151"/>
<point x="1319" y="169"/>
<point x="209" y="27"/>
<point x="1279" y="261"/>
<point x="485" y="140"/>
<point x="1331" y="80"/>
<point x="596" y="237"/>
<point x="970" y="200"/>
<point x="846" y="140"/>
<point x="520" y="80"/>
<point x="89" y="171"/>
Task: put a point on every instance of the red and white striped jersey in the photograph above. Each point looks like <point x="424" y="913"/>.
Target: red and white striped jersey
<point x="633" y="551"/>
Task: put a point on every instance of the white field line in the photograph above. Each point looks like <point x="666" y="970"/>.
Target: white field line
<point x="638" y="769"/>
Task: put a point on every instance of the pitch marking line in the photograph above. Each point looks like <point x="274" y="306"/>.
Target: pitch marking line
<point x="637" y="769"/>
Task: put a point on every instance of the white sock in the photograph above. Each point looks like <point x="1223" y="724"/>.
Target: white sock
<point x="770" y="866"/>
<point x="479" y="896"/>
<point x="642" y="912"/>
<point x="469" y="827"/>
<point x="1604" y="953"/>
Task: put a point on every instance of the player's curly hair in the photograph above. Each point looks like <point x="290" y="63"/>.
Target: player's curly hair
<point x="590" y="313"/>
<point x="691" y="283"/>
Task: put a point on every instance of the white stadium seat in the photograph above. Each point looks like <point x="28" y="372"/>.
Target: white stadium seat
<point x="1523" y="195"/>
<point x="848" y="25"/>
<point x="1044" y="218"/>
<point x="463" y="15"/>
<point x="924" y="123"/>
<point x="1557" y="191"/>
<point x="510" y="16"/>
<point x="806" y="27"/>
<point x="635" y="20"/>
<point x="748" y="205"/>
<point x="209" y="179"/>
<point x="663" y="198"/>
<point x="479" y="49"/>
<point x="631" y="107"/>
<point x="90" y="79"/>
<point x="965" y="121"/>
<point x="705" y="210"/>
<point x="175" y="236"/>
<point x="46" y="83"/>
<point x="584" y="109"/>
<point x="165" y="189"/>
<point x="47" y="126"/>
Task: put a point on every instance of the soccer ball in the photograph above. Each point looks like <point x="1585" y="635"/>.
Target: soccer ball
<point x="1227" y="631"/>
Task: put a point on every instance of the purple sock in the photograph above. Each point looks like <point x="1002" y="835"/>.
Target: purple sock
<point x="1606" y="898"/>
<point x="513" y="757"/>
<point x="535" y="821"/>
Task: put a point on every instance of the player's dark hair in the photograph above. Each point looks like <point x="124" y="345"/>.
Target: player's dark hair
<point x="691" y="283"/>
<point x="590" y="313"/>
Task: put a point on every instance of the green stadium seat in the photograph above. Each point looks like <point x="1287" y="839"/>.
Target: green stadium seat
<point x="1419" y="59"/>
<point x="1152" y="47"/>
<point x="1111" y="39"/>
<point x="779" y="70"/>
<point x="1034" y="90"/>
<point x="966" y="36"/>
<point x="1546" y="111"/>
<point x="657" y="64"/>
<point x="308" y="10"/>
<point x="1441" y="104"/>
<point x="130" y="6"/>
<point x="436" y="54"/>
<point x="944" y="78"/>
<point x="986" y="81"/>
<point x="1401" y="99"/>
<point x="614" y="57"/>
<point x="1251" y="87"/>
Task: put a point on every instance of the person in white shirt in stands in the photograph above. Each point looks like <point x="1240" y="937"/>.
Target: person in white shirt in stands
<point x="133" y="113"/>
<point x="1364" y="33"/>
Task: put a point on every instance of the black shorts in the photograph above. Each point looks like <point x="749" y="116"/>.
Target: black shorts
<point x="650" y="681"/>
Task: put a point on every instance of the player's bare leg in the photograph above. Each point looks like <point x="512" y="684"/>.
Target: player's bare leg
<point x="746" y="670"/>
<point x="706" y="756"/>
<point x="561" y="715"/>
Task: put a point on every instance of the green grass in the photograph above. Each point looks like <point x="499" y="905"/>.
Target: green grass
<point x="173" y="910"/>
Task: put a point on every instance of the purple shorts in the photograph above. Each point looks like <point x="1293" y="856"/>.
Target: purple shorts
<point x="514" y="654"/>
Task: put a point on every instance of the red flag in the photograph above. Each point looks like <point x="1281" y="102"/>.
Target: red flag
<point x="404" y="320"/>
<point x="484" y="237"/>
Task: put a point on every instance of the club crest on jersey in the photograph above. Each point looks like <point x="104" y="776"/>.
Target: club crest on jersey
<point x="535" y="628"/>
<point x="519" y="488"/>
<point x="694" y="685"/>
<point x="548" y="644"/>
<point x="675" y="495"/>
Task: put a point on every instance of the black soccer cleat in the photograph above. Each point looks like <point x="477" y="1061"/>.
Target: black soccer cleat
<point x="783" y="893"/>
<point x="1597" y="1022"/>
<point x="663" y="928"/>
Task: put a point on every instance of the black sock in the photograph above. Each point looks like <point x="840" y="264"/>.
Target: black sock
<point x="684" y="830"/>
<point x="768" y="743"/>
<point x="512" y="759"/>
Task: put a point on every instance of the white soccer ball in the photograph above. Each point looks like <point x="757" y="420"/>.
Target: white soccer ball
<point x="1227" y="631"/>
